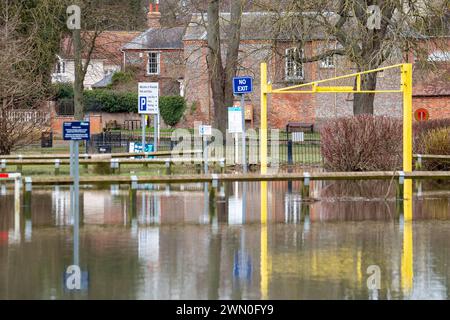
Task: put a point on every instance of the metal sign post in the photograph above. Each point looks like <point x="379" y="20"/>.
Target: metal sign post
<point x="149" y="105"/>
<point x="155" y="132"/>
<point x="242" y="86"/>
<point x="244" y="151"/>
<point x="205" y="131"/>
<point x="76" y="203"/>
<point x="143" y="132"/>
<point x="75" y="132"/>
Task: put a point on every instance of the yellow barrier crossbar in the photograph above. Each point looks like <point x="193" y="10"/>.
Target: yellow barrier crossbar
<point x="347" y="76"/>
<point x="333" y="89"/>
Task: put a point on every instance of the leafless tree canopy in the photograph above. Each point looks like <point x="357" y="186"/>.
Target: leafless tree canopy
<point x="21" y="85"/>
<point x="404" y="28"/>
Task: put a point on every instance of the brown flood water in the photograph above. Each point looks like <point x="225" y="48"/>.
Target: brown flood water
<point x="177" y="243"/>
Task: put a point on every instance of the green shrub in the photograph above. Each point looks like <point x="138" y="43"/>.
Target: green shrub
<point x="110" y="101"/>
<point x="62" y="91"/>
<point x="437" y="142"/>
<point x="172" y="109"/>
<point x="120" y="78"/>
<point x="420" y="130"/>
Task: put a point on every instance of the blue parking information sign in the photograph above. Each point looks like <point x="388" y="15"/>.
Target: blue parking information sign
<point x="77" y="131"/>
<point x="142" y="104"/>
<point x="242" y="85"/>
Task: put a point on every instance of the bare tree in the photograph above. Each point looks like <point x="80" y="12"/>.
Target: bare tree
<point x="367" y="32"/>
<point x="97" y="17"/>
<point x="221" y="74"/>
<point x="22" y="87"/>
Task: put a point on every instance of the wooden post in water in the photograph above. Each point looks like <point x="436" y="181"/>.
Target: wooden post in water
<point x="132" y="205"/>
<point x="86" y="157"/>
<point x="400" y="186"/>
<point x="27" y="198"/>
<point x="57" y="166"/>
<point x="419" y="162"/>
<point x="168" y="167"/>
<point x="212" y="202"/>
<point x="304" y="211"/>
<point x="19" y="166"/>
<point x="305" y="186"/>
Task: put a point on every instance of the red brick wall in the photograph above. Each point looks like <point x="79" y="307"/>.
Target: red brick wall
<point x="438" y="107"/>
<point x="291" y="108"/>
<point x="57" y="123"/>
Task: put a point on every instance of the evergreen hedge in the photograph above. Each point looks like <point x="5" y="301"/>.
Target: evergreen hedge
<point x="171" y="108"/>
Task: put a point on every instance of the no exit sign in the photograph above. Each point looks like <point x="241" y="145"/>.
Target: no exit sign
<point x="242" y="85"/>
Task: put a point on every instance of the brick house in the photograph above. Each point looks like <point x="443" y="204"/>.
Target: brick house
<point x="157" y="54"/>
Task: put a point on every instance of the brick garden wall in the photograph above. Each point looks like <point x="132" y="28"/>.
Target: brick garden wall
<point x="438" y="107"/>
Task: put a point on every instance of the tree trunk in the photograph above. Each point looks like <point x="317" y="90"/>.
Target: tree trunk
<point x="363" y="102"/>
<point x="215" y="68"/>
<point x="221" y="77"/>
<point x="233" y="50"/>
<point x="5" y="146"/>
<point x="78" y="85"/>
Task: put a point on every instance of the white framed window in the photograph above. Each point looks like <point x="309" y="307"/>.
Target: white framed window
<point x="153" y="63"/>
<point x="293" y="69"/>
<point x="60" y="67"/>
<point x="327" y="62"/>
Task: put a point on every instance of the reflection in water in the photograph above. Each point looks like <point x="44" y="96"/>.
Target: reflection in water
<point x="237" y="240"/>
<point x="407" y="258"/>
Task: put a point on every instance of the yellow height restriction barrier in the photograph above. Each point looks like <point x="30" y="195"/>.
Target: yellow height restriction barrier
<point x="319" y="87"/>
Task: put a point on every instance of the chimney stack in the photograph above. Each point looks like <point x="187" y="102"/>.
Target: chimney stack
<point x="154" y="16"/>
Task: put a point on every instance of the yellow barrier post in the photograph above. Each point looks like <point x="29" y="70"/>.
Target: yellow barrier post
<point x="263" y="117"/>
<point x="406" y="77"/>
<point x="263" y="155"/>
<point x="263" y="141"/>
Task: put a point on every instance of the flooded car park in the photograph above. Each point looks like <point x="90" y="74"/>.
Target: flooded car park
<point x="192" y="242"/>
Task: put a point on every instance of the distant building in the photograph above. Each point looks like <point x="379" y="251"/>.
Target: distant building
<point x="106" y="58"/>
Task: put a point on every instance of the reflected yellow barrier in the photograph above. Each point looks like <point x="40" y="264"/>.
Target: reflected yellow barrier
<point x="407" y="200"/>
<point x="407" y="258"/>
<point x="264" y="266"/>
<point x="264" y="269"/>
